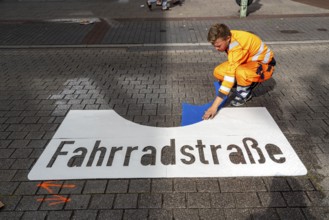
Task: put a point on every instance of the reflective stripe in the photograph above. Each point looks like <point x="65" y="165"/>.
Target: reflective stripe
<point x="267" y="56"/>
<point x="232" y="45"/>
<point x="225" y="89"/>
<point x="229" y="79"/>
<point x="259" y="52"/>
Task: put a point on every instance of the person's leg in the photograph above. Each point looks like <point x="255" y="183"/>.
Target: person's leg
<point x="149" y="3"/>
<point x="247" y="79"/>
<point x="164" y="5"/>
<point x="220" y="70"/>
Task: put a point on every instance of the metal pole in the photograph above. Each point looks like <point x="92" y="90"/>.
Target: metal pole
<point x="243" y="8"/>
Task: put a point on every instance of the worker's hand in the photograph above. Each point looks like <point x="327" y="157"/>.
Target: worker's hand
<point x="210" y="113"/>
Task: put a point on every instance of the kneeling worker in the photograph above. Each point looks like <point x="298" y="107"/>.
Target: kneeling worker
<point x="250" y="62"/>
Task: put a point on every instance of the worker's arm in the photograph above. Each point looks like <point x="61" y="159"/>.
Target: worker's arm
<point x="211" y="112"/>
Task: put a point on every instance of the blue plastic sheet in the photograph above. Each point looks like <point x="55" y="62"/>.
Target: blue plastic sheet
<point x="193" y="113"/>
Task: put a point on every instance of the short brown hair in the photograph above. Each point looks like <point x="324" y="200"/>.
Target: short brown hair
<point x="218" y="31"/>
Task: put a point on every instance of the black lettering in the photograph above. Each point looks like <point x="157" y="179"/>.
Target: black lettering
<point x="128" y="154"/>
<point x="273" y="150"/>
<point x="96" y="149"/>
<point x="59" y="152"/>
<point x="214" y="153"/>
<point x="168" y="153"/>
<point x="77" y="160"/>
<point x="200" y="147"/>
<point x="254" y="146"/>
<point x="236" y="157"/>
<point x="191" y="156"/>
<point x="112" y="154"/>
<point x="149" y="159"/>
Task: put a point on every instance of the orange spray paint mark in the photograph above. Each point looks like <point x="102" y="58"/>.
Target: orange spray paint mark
<point x="55" y="199"/>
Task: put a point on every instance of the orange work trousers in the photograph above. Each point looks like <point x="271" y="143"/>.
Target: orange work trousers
<point x="246" y="73"/>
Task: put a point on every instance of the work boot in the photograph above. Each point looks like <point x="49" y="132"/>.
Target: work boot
<point x="149" y="5"/>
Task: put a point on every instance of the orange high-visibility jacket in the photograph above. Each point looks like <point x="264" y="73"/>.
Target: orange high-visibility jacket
<point x="244" y="47"/>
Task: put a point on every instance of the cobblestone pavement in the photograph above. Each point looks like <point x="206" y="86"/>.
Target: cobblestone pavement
<point x="147" y="86"/>
<point x="123" y="31"/>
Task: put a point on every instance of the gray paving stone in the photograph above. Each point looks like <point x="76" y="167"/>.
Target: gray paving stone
<point x="27" y="188"/>
<point x="55" y="215"/>
<point x="102" y="201"/>
<point x="211" y="214"/>
<point x="84" y="214"/>
<point x="160" y="214"/>
<point x="78" y="202"/>
<point x="110" y="214"/>
<point x="222" y="200"/>
<point x="95" y="186"/>
<point x="125" y="201"/>
<point x="207" y="185"/>
<point x="132" y="214"/>
<point x="238" y="214"/>
<point x="296" y="199"/>
<point x="11" y="215"/>
<point x="186" y="214"/>
<point x="162" y="185"/>
<point x="290" y="213"/>
<point x="37" y="215"/>
<point x="28" y="203"/>
<point x="185" y="185"/>
<point x="272" y="199"/>
<point x="174" y="200"/>
<point x="246" y="200"/>
<point x="198" y="200"/>
<point x="150" y="201"/>
<point x="117" y="186"/>
<point x="7" y="175"/>
<point x="140" y="185"/>
<point x="265" y="214"/>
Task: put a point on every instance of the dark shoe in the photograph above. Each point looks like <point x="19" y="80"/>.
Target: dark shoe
<point x="238" y="101"/>
<point x="149" y="5"/>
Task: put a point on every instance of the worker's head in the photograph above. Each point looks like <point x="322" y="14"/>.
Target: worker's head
<point x="219" y="35"/>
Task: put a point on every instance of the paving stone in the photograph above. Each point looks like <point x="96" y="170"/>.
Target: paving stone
<point x="28" y="203"/>
<point x="37" y="215"/>
<point x="140" y="185"/>
<point x="95" y="186"/>
<point x="11" y="215"/>
<point x="265" y="214"/>
<point x="110" y="214"/>
<point x="117" y="186"/>
<point x="211" y="214"/>
<point x="125" y="201"/>
<point x="132" y="214"/>
<point x="7" y="175"/>
<point x="184" y="185"/>
<point x="55" y="215"/>
<point x="102" y="201"/>
<point x="198" y="200"/>
<point x="316" y="212"/>
<point x="272" y="199"/>
<point x="10" y="201"/>
<point x="290" y="213"/>
<point x="186" y="214"/>
<point x="245" y="200"/>
<point x="84" y="214"/>
<point x="160" y="214"/>
<point x="174" y="200"/>
<point x="238" y="214"/>
<point x="205" y="185"/>
<point x="27" y="188"/>
<point x="150" y="201"/>
<point x="78" y="202"/>
<point x="296" y="199"/>
<point x="222" y="200"/>
<point x="162" y="185"/>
